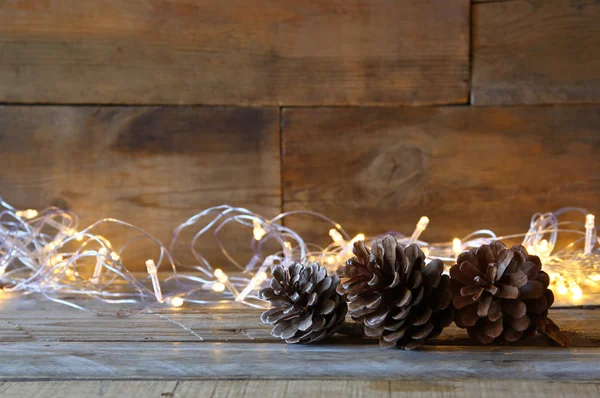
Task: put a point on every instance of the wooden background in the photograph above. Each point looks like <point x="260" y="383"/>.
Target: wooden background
<point x="375" y="112"/>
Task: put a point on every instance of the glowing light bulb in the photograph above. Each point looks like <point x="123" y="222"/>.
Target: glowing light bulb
<point x="456" y="246"/>
<point x="589" y="233"/>
<point x="115" y="256"/>
<point x="576" y="293"/>
<point x="224" y="279"/>
<point x="29" y="213"/>
<point x="543" y="246"/>
<point x="218" y="287"/>
<point x="421" y="225"/>
<point x="50" y="246"/>
<point x="330" y="260"/>
<point x="220" y="275"/>
<point x="358" y="237"/>
<point x="595" y="277"/>
<point x="287" y="250"/>
<point x="259" y="232"/>
<point x="105" y="241"/>
<point x="73" y="232"/>
<point x="260" y="278"/>
<point x="542" y="249"/>
<point x="254" y="283"/>
<point x="561" y="288"/>
<point x="55" y="259"/>
<point x="177" y="301"/>
<point x="336" y="236"/>
<point x="102" y="254"/>
<point x="151" y="267"/>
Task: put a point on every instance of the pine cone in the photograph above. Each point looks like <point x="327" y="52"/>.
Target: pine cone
<point x="306" y="306"/>
<point x="398" y="298"/>
<point x="502" y="295"/>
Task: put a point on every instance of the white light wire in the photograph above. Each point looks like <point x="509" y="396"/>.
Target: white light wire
<point x="44" y="252"/>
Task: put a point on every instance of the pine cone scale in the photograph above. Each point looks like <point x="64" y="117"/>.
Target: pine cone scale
<point x="394" y="294"/>
<point x="305" y="304"/>
<point x="501" y="294"/>
<point x="402" y="314"/>
<point x="392" y="327"/>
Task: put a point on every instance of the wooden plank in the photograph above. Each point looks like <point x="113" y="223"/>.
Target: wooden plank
<point x="224" y="52"/>
<point x="536" y="52"/>
<point x="104" y="388"/>
<point x="298" y="388"/>
<point x="150" y="166"/>
<point x="198" y="360"/>
<point x="379" y="169"/>
<point x="383" y="389"/>
<point x="26" y="319"/>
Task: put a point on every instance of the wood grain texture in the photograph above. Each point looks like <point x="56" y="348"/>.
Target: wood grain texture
<point x="224" y="52"/>
<point x="383" y="389"/>
<point x="25" y="319"/>
<point x="87" y="389"/>
<point x="536" y="52"/>
<point x="150" y="166"/>
<point x="227" y="341"/>
<point x="297" y="389"/>
<point x="203" y="360"/>
<point x="379" y="169"/>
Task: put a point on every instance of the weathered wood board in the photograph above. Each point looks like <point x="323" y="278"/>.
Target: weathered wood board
<point x="40" y="339"/>
<point x="535" y="52"/>
<point x="25" y="319"/>
<point x="298" y="388"/>
<point x="466" y="168"/>
<point x="151" y="166"/>
<point x="223" y="52"/>
<point x="203" y="360"/>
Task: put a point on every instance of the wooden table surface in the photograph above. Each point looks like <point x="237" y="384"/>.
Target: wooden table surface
<point x="222" y="349"/>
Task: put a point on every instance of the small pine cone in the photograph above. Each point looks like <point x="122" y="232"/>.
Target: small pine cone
<point x="305" y="305"/>
<point x="398" y="298"/>
<point x="502" y="295"/>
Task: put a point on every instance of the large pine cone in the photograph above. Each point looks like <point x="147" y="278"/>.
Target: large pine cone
<point x="306" y="306"/>
<point x="502" y="295"/>
<point x="398" y="298"/>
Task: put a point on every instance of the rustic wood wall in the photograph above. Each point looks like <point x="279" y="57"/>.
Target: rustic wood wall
<point x="374" y="112"/>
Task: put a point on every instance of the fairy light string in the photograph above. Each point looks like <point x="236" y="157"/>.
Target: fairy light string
<point x="45" y="251"/>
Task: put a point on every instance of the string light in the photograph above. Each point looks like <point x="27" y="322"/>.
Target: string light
<point x="257" y="280"/>
<point x="589" y="234"/>
<point x="99" y="263"/>
<point x="176" y="301"/>
<point x="39" y="253"/>
<point x="421" y="225"/>
<point x="359" y="237"/>
<point x="151" y="267"/>
<point x="29" y="213"/>
<point x="221" y="276"/>
<point x="575" y="290"/>
<point x="218" y="287"/>
<point x="456" y="246"/>
<point x="224" y="279"/>
<point x="336" y="236"/>
<point x="258" y="231"/>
